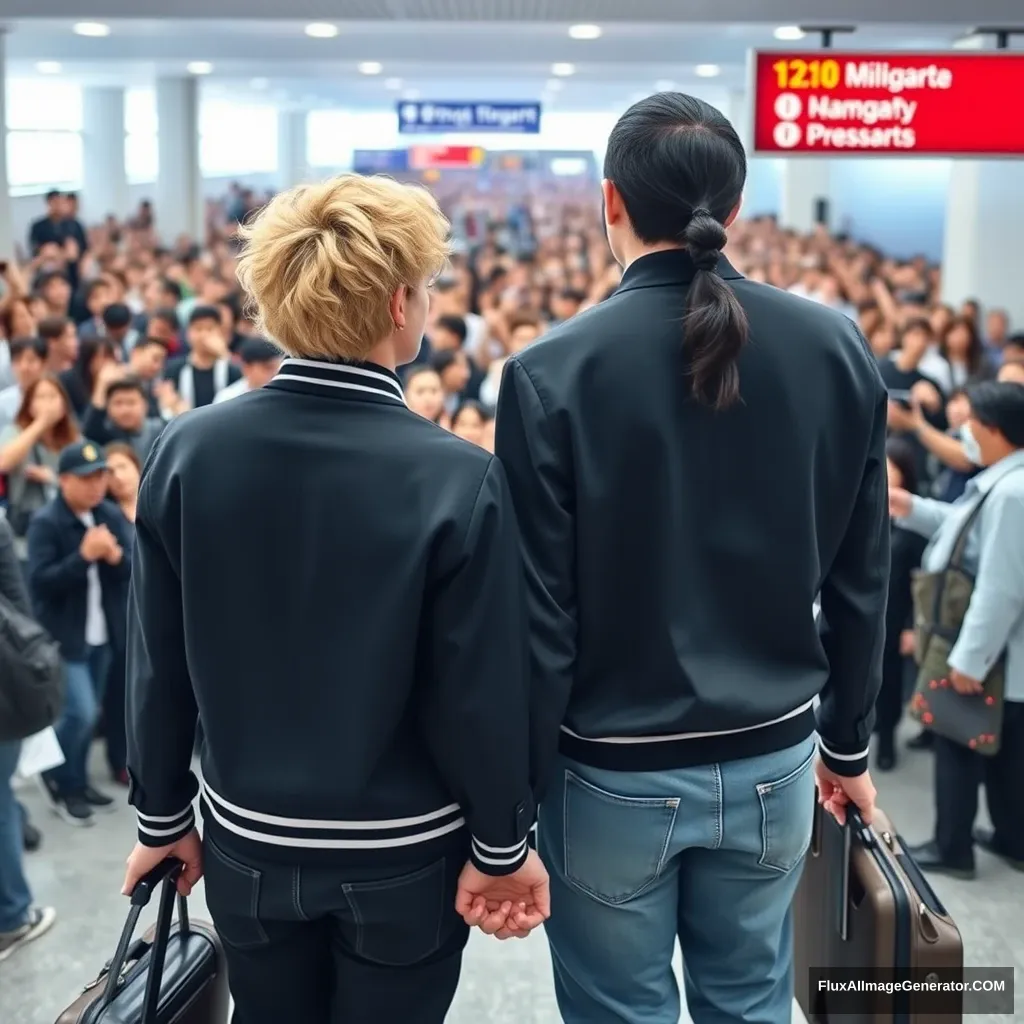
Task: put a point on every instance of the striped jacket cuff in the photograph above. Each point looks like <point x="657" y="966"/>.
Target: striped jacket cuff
<point x="848" y="765"/>
<point x="498" y="860"/>
<point x="163" y="830"/>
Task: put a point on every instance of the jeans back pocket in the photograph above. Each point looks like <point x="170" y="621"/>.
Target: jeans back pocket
<point x="787" y="816"/>
<point x="615" y="845"/>
<point x="233" y="898"/>
<point x="400" y="921"/>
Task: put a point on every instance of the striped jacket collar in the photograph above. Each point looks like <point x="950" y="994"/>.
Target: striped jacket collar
<point x="364" y="381"/>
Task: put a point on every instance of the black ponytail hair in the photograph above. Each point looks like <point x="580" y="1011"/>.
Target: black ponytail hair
<point x="680" y="168"/>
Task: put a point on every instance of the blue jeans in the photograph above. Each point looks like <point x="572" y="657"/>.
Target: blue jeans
<point x="77" y="720"/>
<point x="15" y="897"/>
<point x="711" y="855"/>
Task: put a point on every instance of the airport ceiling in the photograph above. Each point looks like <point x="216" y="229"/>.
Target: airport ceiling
<point x="455" y="49"/>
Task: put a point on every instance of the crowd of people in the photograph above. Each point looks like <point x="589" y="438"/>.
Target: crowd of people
<point x="108" y="332"/>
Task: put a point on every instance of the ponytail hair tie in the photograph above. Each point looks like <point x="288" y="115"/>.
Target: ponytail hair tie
<point x="700" y="211"/>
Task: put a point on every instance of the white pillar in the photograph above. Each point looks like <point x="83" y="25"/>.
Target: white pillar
<point x="179" y="192"/>
<point x="984" y="226"/>
<point x="292" y="161"/>
<point x="805" y="181"/>
<point x="105" y="180"/>
<point x="6" y="223"/>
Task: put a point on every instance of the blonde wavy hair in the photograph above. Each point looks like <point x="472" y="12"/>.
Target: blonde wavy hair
<point x="321" y="262"/>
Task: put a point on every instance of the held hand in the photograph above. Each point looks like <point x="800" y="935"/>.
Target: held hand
<point x="899" y="417"/>
<point x="40" y="475"/>
<point x="964" y="684"/>
<point x="144" y="858"/>
<point x="95" y="544"/>
<point x="836" y="792"/>
<point x="926" y="394"/>
<point x="908" y="642"/>
<point x="900" y="502"/>
<point x="507" y="905"/>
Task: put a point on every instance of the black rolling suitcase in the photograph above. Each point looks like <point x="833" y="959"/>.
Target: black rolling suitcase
<point x="166" y="977"/>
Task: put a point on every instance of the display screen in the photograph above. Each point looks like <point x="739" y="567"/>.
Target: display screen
<point x="862" y="104"/>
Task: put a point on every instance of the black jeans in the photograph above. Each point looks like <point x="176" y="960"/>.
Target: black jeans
<point x="959" y="771"/>
<point x="336" y="945"/>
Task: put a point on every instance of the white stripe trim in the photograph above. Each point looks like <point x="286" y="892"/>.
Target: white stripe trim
<point x="334" y="844"/>
<point x="498" y="861"/>
<point x="499" y="849"/>
<point x="842" y="757"/>
<point x="162" y="832"/>
<point x="162" y="820"/>
<point x="318" y="823"/>
<point x="339" y="384"/>
<point x="688" y="735"/>
<point x="343" y="368"/>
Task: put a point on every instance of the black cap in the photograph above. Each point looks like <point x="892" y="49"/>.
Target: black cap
<point x="204" y="313"/>
<point x="258" y="350"/>
<point x="117" y="315"/>
<point x="81" y="459"/>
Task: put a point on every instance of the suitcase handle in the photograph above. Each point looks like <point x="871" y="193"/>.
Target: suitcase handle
<point x="859" y="827"/>
<point x="166" y="873"/>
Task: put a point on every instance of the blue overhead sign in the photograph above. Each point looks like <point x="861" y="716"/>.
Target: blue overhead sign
<point x="437" y="118"/>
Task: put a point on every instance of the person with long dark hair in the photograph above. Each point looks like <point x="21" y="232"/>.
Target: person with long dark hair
<point x="94" y="354"/>
<point x="697" y="465"/>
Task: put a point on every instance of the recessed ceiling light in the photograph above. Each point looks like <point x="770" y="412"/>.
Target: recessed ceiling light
<point x="585" y="31"/>
<point x="707" y="70"/>
<point x="789" y="33"/>
<point x="94" y="29"/>
<point x="199" y="67"/>
<point x="371" y="67"/>
<point x="563" y="70"/>
<point x="321" y="30"/>
<point x="48" y="67"/>
<point x="664" y="85"/>
<point x="259" y="83"/>
<point x="392" y="83"/>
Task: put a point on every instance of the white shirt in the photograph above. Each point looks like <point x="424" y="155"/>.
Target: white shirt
<point x="240" y="387"/>
<point x="10" y="403"/>
<point x="95" y="620"/>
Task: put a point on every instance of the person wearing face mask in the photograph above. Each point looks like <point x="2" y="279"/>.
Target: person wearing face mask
<point x="993" y="627"/>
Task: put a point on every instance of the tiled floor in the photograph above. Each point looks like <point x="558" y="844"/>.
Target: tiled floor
<point x="79" y="872"/>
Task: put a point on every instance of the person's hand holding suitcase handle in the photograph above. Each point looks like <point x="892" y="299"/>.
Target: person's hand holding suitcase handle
<point x="166" y="874"/>
<point x="837" y="793"/>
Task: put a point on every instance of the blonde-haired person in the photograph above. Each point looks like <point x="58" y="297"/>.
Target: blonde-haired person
<point x="346" y="579"/>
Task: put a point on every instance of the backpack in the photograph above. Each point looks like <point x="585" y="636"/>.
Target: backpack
<point x="31" y="675"/>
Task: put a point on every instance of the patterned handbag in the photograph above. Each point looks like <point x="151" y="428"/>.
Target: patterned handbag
<point x="940" y="604"/>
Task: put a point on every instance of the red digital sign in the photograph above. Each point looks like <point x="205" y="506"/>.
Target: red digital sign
<point x="863" y="104"/>
<point x="422" y="158"/>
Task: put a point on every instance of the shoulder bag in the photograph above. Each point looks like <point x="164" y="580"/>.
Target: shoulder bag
<point x="31" y="675"/>
<point x="941" y="600"/>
